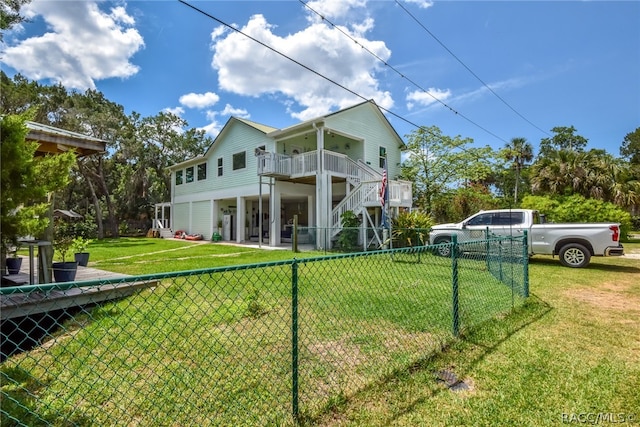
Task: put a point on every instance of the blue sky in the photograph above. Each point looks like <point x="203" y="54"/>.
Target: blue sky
<point x="547" y="63"/>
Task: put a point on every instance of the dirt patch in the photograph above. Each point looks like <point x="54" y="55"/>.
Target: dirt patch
<point x="608" y="296"/>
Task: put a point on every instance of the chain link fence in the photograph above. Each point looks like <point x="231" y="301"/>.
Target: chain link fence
<point x="263" y="344"/>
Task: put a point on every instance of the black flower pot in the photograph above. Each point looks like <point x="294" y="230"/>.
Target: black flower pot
<point x="64" y="271"/>
<point x="14" y="264"/>
<point x="82" y="258"/>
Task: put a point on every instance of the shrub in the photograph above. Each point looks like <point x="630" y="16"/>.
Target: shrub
<point x="348" y="236"/>
<point x="412" y="228"/>
<point x="577" y="208"/>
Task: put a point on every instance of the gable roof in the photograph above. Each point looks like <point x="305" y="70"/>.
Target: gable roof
<point x="262" y="128"/>
<point x="320" y="120"/>
<point x="378" y="111"/>
<point x="225" y="129"/>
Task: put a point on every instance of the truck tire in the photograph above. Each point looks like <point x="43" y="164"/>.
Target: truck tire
<point x="574" y="255"/>
<point x="444" y="251"/>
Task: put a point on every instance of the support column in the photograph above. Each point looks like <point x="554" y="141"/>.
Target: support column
<point x="311" y="211"/>
<point x="321" y="194"/>
<point x="275" y="225"/>
<point x="240" y="221"/>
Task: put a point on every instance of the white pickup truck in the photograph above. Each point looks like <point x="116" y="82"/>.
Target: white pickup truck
<point x="575" y="243"/>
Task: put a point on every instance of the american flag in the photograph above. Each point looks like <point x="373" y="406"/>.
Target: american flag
<point x="383" y="186"/>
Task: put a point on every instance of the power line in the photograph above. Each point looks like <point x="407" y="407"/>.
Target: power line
<point x="469" y="69"/>
<point x="346" y="34"/>
<point x="314" y="71"/>
<point x="306" y="67"/>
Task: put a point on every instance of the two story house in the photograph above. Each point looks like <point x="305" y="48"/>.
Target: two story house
<point x="254" y="179"/>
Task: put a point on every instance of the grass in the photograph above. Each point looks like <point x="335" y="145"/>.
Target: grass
<point x="137" y="256"/>
<point x="572" y="348"/>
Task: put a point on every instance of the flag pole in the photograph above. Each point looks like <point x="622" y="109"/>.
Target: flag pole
<point x="384" y="201"/>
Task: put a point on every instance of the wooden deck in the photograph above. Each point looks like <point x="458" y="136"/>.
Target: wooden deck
<point x="24" y="304"/>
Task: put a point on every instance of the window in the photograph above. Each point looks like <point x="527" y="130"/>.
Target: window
<point x="179" y="177"/>
<point x="498" y="219"/>
<point x="220" y="166"/>
<point x="508" y="218"/>
<point x="189" y="174"/>
<point x="202" y="171"/>
<point x="382" y="153"/>
<point x="482" y="219"/>
<point x="240" y="160"/>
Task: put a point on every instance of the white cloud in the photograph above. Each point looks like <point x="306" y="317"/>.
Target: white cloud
<point x="423" y="4"/>
<point x="238" y="112"/>
<point x="247" y="68"/>
<point x="199" y="100"/>
<point x="427" y="98"/>
<point x="501" y="86"/>
<point x="177" y="111"/>
<point x="332" y="9"/>
<point x="212" y="129"/>
<point x="83" y="44"/>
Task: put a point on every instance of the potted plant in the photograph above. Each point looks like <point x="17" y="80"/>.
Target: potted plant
<point x="79" y="249"/>
<point x="64" y="271"/>
<point x="14" y="262"/>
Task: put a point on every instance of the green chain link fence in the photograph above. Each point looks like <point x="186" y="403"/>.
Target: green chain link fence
<point x="263" y="344"/>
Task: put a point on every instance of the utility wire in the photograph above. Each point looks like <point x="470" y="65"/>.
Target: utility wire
<point x="314" y="71"/>
<point x="306" y="67"/>
<point x="400" y="73"/>
<point x="469" y="69"/>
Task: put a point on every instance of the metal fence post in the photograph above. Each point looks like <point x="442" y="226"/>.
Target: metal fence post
<point x="294" y="340"/>
<point x="454" y="285"/>
<point x="294" y="235"/>
<point x="525" y="261"/>
<point x="488" y="249"/>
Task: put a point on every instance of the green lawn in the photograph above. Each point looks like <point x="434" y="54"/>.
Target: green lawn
<point x="573" y="347"/>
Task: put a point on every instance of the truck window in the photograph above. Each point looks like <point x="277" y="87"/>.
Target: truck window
<point x="508" y="218"/>
<point x="482" y="219"/>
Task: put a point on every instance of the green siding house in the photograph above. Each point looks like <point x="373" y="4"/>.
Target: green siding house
<point x="253" y="179"/>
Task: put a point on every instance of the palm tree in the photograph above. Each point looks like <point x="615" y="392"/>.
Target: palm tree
<point x="519" y="152"/>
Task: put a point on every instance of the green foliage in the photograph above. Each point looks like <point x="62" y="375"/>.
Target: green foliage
<point x="518" y="152"/>
<point x="412" y="228"/>
<point x="463" y="202"/>
<point x="630" y="148"/>
<point x="79" y="244"/>
<point x="438" y="162"/>
<point x="577" y="208"/>
<point x="544" y="204"/>
<point x="255" y="306"/>
<point x="564" y="139"/>
<point x="62" y="238"/>
<point x="10" y="14"/>
<point x="348" y="236"/>
<point x="85" y="228"/>
<point x="25" y="181"/>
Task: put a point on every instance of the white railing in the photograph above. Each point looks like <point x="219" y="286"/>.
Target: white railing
<point x="304" y="164"/>
<point x="335" y="163"/>
<point x="161" y="223"/>
<point x="364" y="194"/>
<point x="366" y="172"/>
<point x="400" y="193"/>
<point x="274" y="164"/>
<point x="368" y="194"/>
